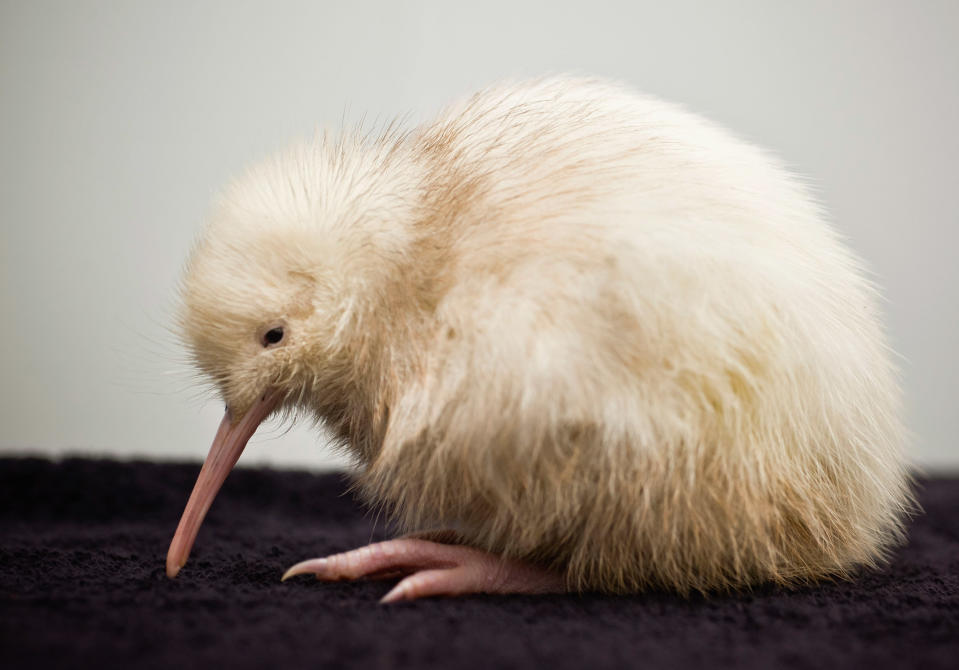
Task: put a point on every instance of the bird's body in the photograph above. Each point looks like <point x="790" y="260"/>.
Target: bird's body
<point x="580" y="328"/>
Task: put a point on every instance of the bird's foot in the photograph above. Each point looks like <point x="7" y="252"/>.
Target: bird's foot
<point x="432" y="569"/>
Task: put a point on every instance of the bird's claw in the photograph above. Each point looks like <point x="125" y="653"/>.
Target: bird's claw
<point x="431" y="569"/>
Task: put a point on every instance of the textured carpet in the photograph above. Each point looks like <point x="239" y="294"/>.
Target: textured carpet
<point x="82" y="546"/>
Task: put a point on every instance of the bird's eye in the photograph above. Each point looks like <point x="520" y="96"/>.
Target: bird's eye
<point x="273" y="336"/>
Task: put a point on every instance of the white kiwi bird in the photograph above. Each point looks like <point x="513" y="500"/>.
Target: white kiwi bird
<point x="576" y="338"/>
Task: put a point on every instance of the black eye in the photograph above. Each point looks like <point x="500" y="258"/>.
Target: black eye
<point x="272" y="336"/>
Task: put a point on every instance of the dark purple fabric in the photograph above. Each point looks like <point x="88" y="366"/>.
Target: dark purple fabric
<point x="82" y="583"/>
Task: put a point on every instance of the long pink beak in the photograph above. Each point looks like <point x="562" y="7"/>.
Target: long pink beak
<point x="228" y="444"/>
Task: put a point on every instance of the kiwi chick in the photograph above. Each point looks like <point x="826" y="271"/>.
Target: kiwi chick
<point x="599" y="341"/>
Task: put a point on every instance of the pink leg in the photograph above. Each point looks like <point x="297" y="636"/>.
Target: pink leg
<point x="433" y="569"/>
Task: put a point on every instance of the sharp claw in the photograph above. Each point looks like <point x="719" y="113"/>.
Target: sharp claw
<point x="396" y="594"/>
<point x="314" y="566"/>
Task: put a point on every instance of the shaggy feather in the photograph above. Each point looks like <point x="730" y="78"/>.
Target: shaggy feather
<point x="575" y="325"/>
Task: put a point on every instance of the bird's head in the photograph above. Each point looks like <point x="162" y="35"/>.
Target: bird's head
<point x="281" y="294"/>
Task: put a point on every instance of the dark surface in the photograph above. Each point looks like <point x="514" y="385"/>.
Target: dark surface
<point x="82" y="582"/>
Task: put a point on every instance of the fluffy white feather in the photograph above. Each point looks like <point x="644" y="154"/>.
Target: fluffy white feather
<point x="577" y="325"/>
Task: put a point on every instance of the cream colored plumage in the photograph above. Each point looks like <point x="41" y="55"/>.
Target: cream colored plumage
<point x="579" y="327"/>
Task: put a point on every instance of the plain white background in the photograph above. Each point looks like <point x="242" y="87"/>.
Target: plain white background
<point x="118" y="121"/>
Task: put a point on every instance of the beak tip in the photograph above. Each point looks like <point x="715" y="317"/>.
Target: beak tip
<point x="172" y="569"/>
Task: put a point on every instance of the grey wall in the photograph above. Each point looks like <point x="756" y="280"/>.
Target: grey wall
<point x="118" y="120"/>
